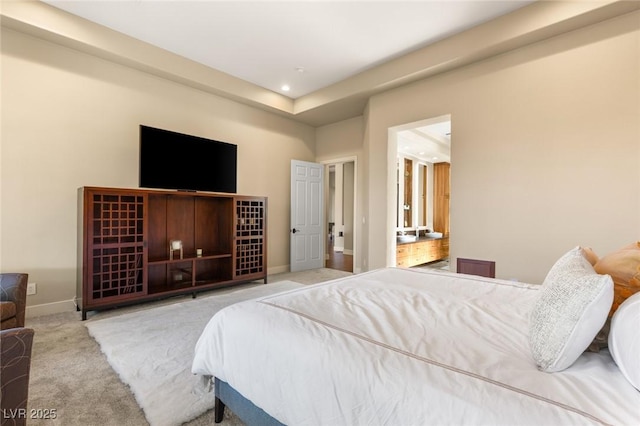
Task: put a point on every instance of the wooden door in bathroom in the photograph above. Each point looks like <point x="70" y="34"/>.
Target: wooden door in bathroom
<point x="441" y="197"/>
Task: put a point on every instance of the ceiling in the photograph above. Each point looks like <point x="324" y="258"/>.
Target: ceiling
<point x="307" y="45"/>
<point x="429" y="142"/>
<point x="334" y="54"/>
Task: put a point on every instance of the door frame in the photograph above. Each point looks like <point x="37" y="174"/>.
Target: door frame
<point x="349" y="159"/>
<point x="392" y="154"/>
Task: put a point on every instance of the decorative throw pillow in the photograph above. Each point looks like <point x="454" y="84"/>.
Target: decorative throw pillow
<point x="572" y="307"/>
<point x="590" y="255"/>
<point x="600" y="341"/>
<point x="624" y="267"/>
<point x="624" y="339"/>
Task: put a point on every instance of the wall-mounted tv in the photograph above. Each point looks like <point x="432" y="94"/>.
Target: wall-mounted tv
<point x="170" y="160"/>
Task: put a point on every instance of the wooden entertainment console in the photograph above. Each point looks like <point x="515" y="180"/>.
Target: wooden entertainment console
<point x="124" y="236"/>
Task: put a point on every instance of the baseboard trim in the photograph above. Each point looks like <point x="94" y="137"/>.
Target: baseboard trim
<point x="348" y="251"/>
<point x="69" y="305"/>
<point x="50" y="308"/>
<point x="277" y="269"/>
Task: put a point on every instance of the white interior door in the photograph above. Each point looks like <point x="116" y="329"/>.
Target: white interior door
<point x="307" y="217"/>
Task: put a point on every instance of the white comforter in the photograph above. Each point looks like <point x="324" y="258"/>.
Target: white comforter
<point x="405" y="347"/>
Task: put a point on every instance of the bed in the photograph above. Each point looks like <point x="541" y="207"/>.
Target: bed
<point x="405" y="347"/>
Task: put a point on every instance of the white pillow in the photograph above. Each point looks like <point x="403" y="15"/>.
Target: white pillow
<point x="572" y="307"/>
<point x="624" y="339"/>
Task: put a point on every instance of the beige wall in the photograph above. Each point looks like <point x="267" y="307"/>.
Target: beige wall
<point x="341" y="139"/>
<point x="545" y="150"/>
<point x="349" y="181"/>
<point x="70" y="119"/>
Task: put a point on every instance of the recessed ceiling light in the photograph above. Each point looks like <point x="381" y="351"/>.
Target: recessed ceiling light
<point x="285" y="88"/>
<point x="422" y="153"/>
<point x="434" y="158"/>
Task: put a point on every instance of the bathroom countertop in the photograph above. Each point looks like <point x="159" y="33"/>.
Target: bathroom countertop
<point x="419" y="240"/>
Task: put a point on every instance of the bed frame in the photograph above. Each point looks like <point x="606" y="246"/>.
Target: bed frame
<point x="247" y="411"/>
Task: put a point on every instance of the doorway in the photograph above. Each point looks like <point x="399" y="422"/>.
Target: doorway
<point x="340" y="213"/>
<point x="421" y="155"/>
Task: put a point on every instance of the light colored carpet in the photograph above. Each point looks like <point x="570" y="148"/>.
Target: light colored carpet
<point x="152" y="350"/>
<point x="71" y="375"/>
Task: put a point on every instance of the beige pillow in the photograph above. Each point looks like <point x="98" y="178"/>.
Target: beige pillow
<point x="590" y="255"/>
<point x="600" y="341"/>
<point x="623" y="266"/>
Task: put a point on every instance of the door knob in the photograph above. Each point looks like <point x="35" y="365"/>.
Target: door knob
<point x="294" y="230"/>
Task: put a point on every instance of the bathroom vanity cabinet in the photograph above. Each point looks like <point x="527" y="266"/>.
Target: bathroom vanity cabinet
<point x="423" y="250"/>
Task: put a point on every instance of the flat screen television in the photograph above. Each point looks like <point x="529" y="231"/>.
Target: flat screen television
<point x="171" y="160"/>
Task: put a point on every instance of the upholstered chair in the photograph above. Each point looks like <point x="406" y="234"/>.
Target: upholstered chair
<point x="15" y="365"/>
<point x="13" y="299"/>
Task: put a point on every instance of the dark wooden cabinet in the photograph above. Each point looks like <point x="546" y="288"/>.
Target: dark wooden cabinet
<point x="124" y="237"/>
<point x="483" y="268"/>
<point x="250" y="233"/>
<point x="441" y="197"/>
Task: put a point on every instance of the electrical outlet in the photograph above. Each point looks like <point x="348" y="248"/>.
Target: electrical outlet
<point x="31" y="289"/>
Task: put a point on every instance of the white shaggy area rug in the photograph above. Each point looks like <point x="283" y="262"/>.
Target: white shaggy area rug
<point x="152" y="350"/>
